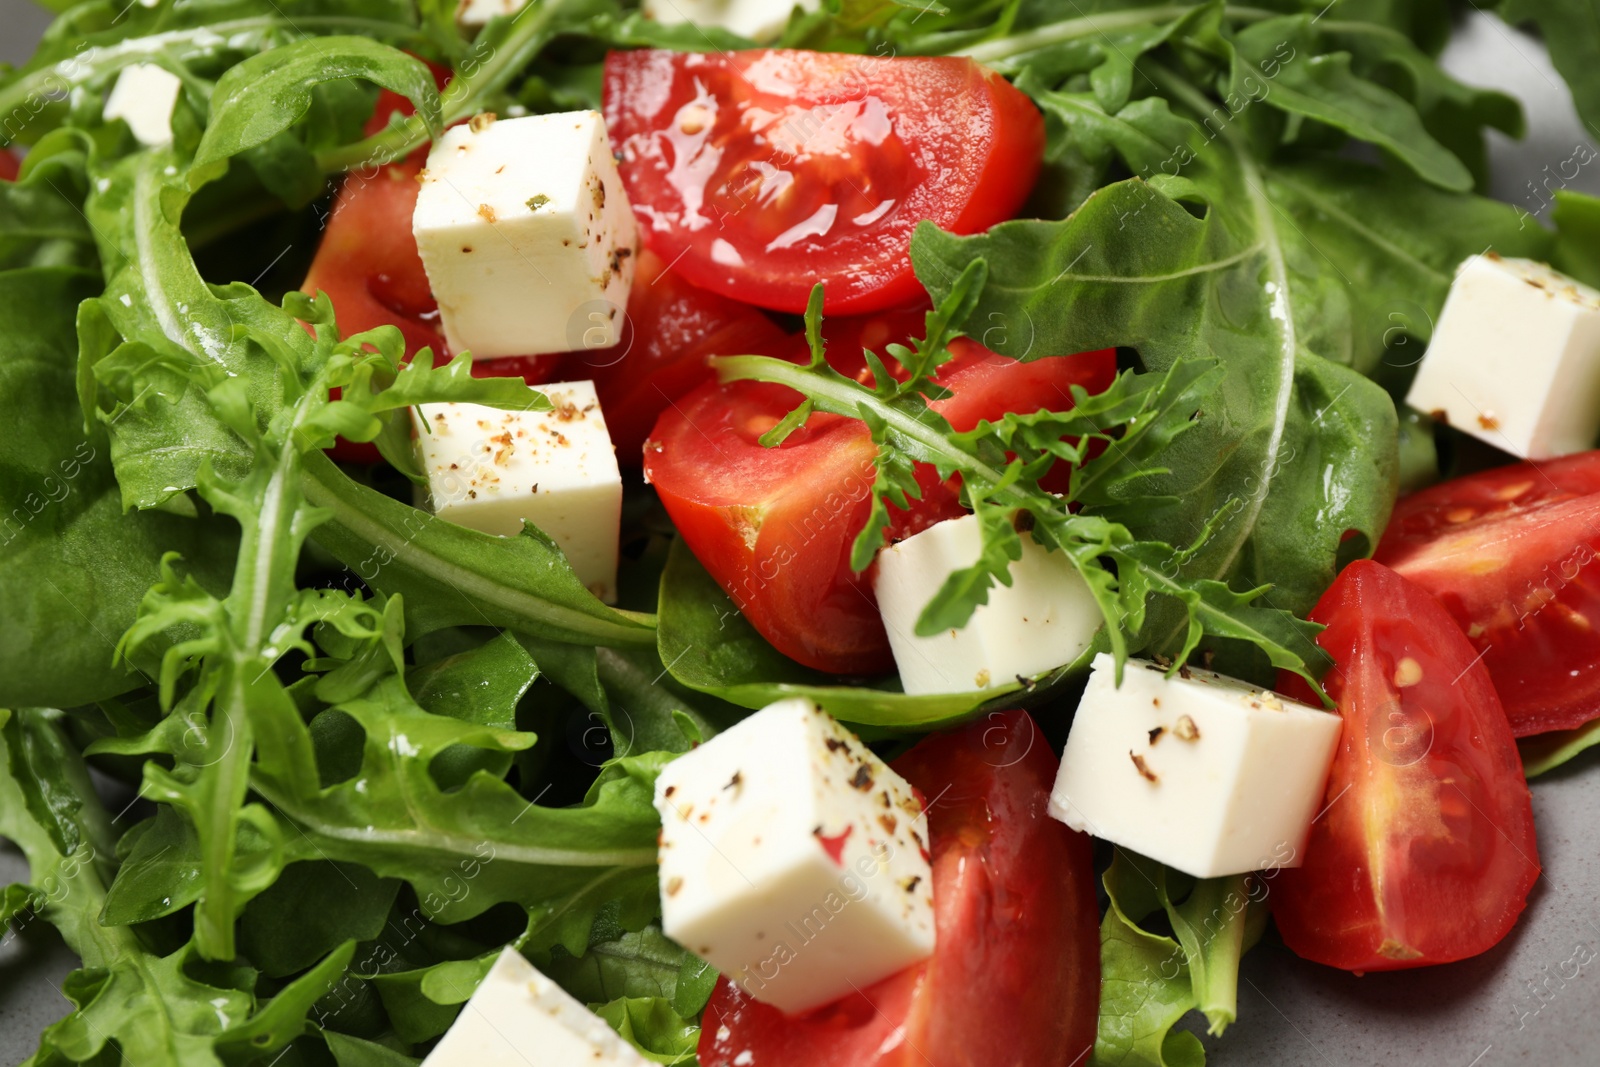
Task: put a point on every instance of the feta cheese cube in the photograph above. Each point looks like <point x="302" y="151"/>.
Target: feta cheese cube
<point x="1044" y="619"/>
<point x="1202" y="772"/>
<point x="517" y="1016"/>
<point x="143" y="97"/>
<point x="793" y="859"/>
<point x="479" y="12"/>
<point x="526" y="235"/>
<point x="490" y="470"/>
<point x="759" y="20"/>
<point x="1515" y="359"/>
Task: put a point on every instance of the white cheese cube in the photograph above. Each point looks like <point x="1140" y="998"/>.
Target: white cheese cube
<point x="143" y="98"/>
<point x="490" y="470"/>
<point x="517" y="1016"/>
<point x="479" y="12"/>
<point x="526" y="235"/>
<point x="1515" y="359"/>
<point x="793" y="859"/>
<point x="759" y="20"/>
<point x="1202" y="772"/>
<point x="1044" y="619"/>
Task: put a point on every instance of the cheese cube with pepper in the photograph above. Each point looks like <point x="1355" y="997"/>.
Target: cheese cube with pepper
<point x="1199" y="771"/>
<point x="518" y="1017"/>
<point x="493" y="470"/>
<point x="1044" y="619"/>
<point x="1515" y="359"/>
<point x="793" y="859"/>
<point x="526" y="235"/>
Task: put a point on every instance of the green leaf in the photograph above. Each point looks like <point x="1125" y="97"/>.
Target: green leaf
<point x="481" y="686"/>
<point x="643" y="963"/>
<point x="314" y="907"/>
<point x="1571" y="30"/>
<point x="462" y="849"/>
<point x="1545" y="752"/>
<point x="1150" y="981"/>
<point x="268" y="93"/>
<point x="1577" y="246"/>
<point x="1324" y="88"/>
<point x="651" y="1026"/>
<point x="76" y="567"/>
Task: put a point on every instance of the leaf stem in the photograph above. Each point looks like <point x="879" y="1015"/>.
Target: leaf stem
<point x="485" y="75"/>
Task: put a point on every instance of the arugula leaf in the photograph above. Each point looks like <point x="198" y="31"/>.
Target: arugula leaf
<point x="1546" y="752"/>
<point x="268" y="93"/>
<point x="84" y="49"/>
<point x="76" y="566"/>
<point x="652" y="1026"/>
<point x="1150" y="981"/>
<point x="1571" y="31"/>
<point x="1577" y="245"/>
<point x="1324" y="88"/>
<point x="151" y="1006"/>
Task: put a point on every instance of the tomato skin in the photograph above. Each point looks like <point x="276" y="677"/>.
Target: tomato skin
<point x="775" y="526"/>
<point x="671" y="329"/>
<point x="1425" y="851"/>
<point x="1514" y="555"/>
<point x="10" y="165"/>
<point x="1015" y="978"/>
<point x="768" y="171"/>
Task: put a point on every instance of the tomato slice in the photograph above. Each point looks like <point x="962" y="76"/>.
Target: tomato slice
<point x="758" y="174"/>
<point x="774" y="526"/>
<point x="1015" y="978"/>
<point x="1425" y="851"/>
<point x="671" y="328"/>
<point x="1512" y="554"/>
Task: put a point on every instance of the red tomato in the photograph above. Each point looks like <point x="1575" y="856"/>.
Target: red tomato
<point x="774" y="526"/>
<point x="1511" y="553"/>
<point x="1425" y="851"/>
<point x="670" y="330"/>
<point x="10" y="165"/>
<point x="1015" y="978"/>
<point x="758" y="174"/>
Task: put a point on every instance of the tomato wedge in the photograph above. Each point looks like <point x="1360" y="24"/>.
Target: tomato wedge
<point x="774" y="526"/>
<point x="1015" y="979"/>
<point x="1425" y="851"/>
<point x="670" y="330"/>
<point x="1512" y="554"/>
<point x="758" y="174"/>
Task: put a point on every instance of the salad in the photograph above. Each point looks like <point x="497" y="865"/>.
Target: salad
<point x="857" y="533"/>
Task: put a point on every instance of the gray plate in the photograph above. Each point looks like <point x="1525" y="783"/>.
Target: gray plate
<point x="1533" y="999"/>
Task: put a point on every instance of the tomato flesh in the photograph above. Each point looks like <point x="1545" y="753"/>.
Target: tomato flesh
<point x="1425" y="850"/>
<point x="1514" y="555"/>
<point x="775" y="526"/>
<point x="759" y="174"/>
<point x="1015" y="978"/>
